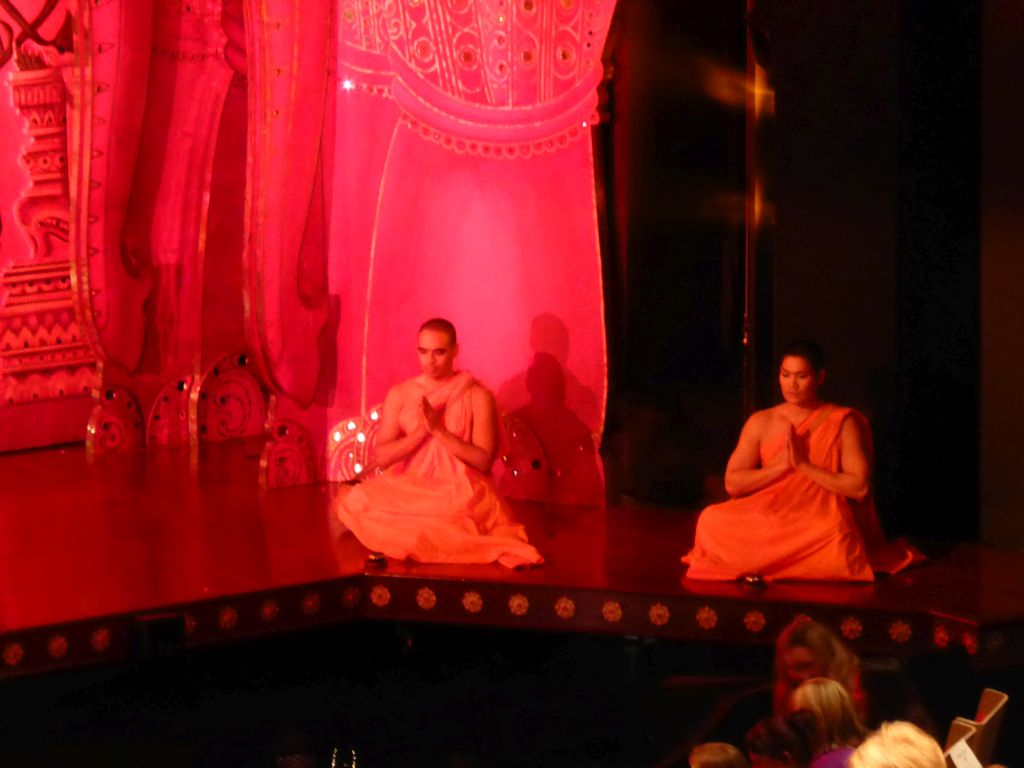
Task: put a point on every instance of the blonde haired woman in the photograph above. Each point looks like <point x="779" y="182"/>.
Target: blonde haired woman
<point x="807" y="649"/>
<point x="898" y="745"/>
<point x="840" y="728"/>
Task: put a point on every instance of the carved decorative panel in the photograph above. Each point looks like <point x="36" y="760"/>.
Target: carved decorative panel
<point x="47" y="368"/>
<point x="115" y="424"/>
<point x="290" y="67"/>
<point x="168" y="416"/>
<point x="288" y="457"/>
<point x="227" y="402"/>
<point x="349" y="453"/>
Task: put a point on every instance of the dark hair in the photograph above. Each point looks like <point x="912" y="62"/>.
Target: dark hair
<point x="442" y="325"/>
<point x="791" y="737"/>
<point x="809" y="350"/>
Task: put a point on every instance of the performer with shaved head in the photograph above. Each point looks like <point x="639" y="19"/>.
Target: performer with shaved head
<point x="434" y="501"/>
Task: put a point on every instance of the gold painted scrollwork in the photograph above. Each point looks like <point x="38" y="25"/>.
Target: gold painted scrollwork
<point x="115" y="423"/>
<point x="288" y="457"/>
<point x="227" y="402"/>
<point x="168" y="417"/>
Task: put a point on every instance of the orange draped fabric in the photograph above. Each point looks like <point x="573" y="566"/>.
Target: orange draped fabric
<point x="794" y="528"/>
<point x="432" y="507"/>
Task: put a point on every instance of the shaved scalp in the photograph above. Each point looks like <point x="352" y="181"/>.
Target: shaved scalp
<point x="809" y="350"/>
<point x="441" y="325"/>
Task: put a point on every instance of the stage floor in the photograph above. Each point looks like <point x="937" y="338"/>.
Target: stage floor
<point x="97" y="556"/>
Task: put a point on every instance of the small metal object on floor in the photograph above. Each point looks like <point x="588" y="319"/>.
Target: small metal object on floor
<point x="753" y="580"/>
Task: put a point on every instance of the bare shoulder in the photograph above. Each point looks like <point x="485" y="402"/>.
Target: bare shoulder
<point x="401" y="393"/>
<point x="482" y="396"/>
<point x="856" y="445"/>
<point x="857" y="419"/>
<point x="763" y="421"/>
<point x="766" y="425"/>
<point x="856" y="425"/>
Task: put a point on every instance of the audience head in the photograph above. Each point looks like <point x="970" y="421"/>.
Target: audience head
<point x="717" y="754"/>
<point x="807" y="649"/>
<point x="832" y="704"/>
<point x="898" y="745"/>
<point x="783" y="742"/>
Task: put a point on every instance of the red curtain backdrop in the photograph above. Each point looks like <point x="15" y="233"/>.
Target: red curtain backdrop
<point x="464" y="182"/>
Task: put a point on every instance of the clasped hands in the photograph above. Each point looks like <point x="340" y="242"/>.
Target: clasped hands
<point x="796" y="449"/>
<point x="431" y="418"/>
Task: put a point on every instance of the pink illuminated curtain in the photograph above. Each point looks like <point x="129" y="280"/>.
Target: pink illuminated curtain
<point x="475" y="191"/>
<point x="365" y="120"/>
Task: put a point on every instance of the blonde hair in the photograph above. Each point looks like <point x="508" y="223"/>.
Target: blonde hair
<point x="717" y="754"/>
<point x="833" y="706"/>
<point x="837" y="663"/>
<point x="898" y="745"/>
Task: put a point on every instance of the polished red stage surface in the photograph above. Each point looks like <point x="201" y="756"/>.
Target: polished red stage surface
<point x="92" y="551"/>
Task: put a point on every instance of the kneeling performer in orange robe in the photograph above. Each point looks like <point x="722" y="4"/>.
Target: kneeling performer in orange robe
<point x="434" y="501"/>
<point x="800" y="482"/>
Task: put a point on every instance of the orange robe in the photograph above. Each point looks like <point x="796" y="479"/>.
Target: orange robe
<point x="794" y="528"/>
<point x="431" y="506"/>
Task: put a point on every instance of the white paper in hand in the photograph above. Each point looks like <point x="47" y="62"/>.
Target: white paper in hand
<point x="962" y="755"/>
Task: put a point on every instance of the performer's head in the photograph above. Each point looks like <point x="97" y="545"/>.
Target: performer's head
<point x="833" y="705"/>
<point x="437" y="346"/>
<point x="898" y="745"/>
<point x="783" y="742"/>
<point x="807" y="649"/>
<point x="801" y="372"/>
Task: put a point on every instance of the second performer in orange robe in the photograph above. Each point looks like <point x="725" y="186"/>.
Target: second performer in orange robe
<point x="793" y="527"/>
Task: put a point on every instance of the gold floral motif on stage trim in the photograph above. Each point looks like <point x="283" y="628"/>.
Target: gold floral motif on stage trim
<point x="659" y="614"/>
<point x="227" y="618"/>
<point x="611" y="611"/>
<point x="518" y="604"/>
<point x="269" y="610"/>
<point x="754" y="621"/>
<point x="380" y="596"/>
<point x="99" y="640"/>
<point x="851" y="627"/>
<point x="970" y="642"/>
<point x="350" y="597"/>
<point x="426" y="598"/>
<point x="57" y="647"/>
<point x="706" y="617"/>
<point x="565" y="608"/>
<point x="13" y="654"/>
<point x="311" y="603"/>
<point x="472" y="602"/>
<point x="900" y="631"/>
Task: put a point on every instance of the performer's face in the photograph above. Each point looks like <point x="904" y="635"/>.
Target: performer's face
<point x="437" y="353"/>
<point x="799" y="381"/>
<point x="801" y="665"/>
